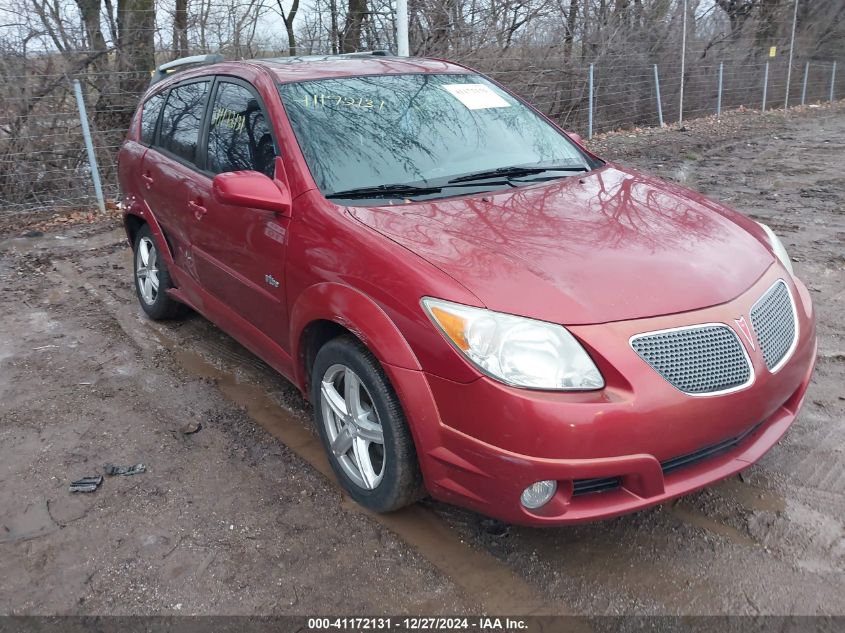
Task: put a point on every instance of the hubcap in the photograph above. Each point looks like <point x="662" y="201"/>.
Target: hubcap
<point x="146" y="270"/>
<point x="353" y="426"/>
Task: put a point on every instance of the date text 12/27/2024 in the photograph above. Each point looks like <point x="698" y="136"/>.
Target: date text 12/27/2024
<point x="482" y="623"/>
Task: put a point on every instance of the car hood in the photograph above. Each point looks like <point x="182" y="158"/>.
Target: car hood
<point x="611" y="245"/>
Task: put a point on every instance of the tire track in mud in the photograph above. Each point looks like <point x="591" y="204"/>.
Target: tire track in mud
<point x="480" y="575"/>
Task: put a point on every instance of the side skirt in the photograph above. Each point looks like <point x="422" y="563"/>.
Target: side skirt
<point x="192" y="294"/>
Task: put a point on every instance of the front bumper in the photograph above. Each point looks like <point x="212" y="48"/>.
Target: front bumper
<point x="640" y="441"/>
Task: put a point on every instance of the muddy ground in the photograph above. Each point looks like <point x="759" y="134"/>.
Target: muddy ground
<point x="241" y="517"/>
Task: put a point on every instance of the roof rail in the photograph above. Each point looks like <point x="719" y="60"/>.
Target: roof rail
<point x="165" y="70"/>
<point x="323" y="58"/>
<point x="378" y="53"/>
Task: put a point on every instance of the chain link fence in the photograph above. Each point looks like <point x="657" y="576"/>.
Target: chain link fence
<point x="44" y="166"/>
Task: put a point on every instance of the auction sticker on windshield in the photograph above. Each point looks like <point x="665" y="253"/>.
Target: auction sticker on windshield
<point x="476" y="96"/>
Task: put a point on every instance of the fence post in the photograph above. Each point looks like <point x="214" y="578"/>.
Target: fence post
<point x="590" y="102"/>
<point x="89" y="146"/>
<point x="719" y="94"/>
<point x="832" y="80"/>
<point x="804" y="84"/>
<point x="791" y="47"/>
<point x="683" y="67"/>
<point x="765" y="85"/>
<point x="657" y="94"/>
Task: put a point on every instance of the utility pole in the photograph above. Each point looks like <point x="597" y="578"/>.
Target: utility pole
<point x="402" y="28"/>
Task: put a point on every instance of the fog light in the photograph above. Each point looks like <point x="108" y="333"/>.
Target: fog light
<point x="538" y="494"/>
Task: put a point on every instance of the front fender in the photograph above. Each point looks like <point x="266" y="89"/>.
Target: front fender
<point x="356" y="312"/>
<point x="337" y="303"/>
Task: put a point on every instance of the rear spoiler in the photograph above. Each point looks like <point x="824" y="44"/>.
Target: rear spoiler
<point x="163" y="71"/>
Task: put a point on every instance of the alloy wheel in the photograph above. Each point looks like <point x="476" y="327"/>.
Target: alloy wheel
<point x="146" y="270"/>
<point x="353" y="427"/>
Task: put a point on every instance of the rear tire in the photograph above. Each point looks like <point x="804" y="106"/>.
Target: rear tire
<point x="363" y="428"/>
<point x="152" y="279"/>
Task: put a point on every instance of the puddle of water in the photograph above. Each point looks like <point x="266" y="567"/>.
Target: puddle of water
<point x="751" y="496"/>
<point x="5" y="351"/>
<point x="40" y="321"/>
<point x="687" y="515"/>
<point x="57" y="244"/>
<point x="22" y="244"/>
<point x="34" y="521"/>
<point x="259" y="406"/>
<point x="479" y="574"/>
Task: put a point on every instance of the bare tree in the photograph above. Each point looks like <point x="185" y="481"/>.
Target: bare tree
<point x="136" y="53"/>
<point x="738" y="12"/>
<point x="180" y="28"/>
<point x="350" y="39"/>
<point x="571" y="22"/>
<point x="288" y="18"/>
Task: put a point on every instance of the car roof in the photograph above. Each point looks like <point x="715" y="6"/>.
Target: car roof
<point x="304" y="68"/>
<point x="287" y="69"/>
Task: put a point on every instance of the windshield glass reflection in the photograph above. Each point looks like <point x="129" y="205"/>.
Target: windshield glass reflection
<point x="420" y="130"/>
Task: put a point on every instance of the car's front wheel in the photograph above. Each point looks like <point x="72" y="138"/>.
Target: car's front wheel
<point x="363" y="428"/>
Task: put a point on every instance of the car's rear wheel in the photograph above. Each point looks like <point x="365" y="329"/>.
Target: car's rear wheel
<point x="152" y="279"/>
<point x="363" y="428"/>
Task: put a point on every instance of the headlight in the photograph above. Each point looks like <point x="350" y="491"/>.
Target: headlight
<point x="778" y="248"/>
<point x="515" y="350"/>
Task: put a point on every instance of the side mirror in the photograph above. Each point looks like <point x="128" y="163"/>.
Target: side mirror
<point x="575" y="137"/>
<point x="250" y="189"/>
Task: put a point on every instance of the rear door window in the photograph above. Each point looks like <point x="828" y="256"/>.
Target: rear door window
<point x="182" y="120"/>
<point x="239" y="133"/>
<point x="149" y="118"/>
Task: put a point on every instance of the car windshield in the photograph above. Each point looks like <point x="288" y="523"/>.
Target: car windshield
<point x="415" y="135"/>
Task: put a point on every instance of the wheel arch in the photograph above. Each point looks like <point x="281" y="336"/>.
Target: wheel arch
<point x="132" y="223"/>
<point x="136" y="216"/>
<point x="330" y="309"/>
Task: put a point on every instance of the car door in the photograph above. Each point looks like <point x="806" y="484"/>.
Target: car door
<point x="130" y="160"/>
<point x="170" y="167"/>
<point x="239" y="252"/>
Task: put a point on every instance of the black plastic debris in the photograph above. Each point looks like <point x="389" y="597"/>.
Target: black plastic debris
<point x="86" y="484"/>
<point x="111" y="470"/>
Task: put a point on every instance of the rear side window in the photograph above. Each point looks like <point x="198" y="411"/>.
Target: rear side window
<point x="149" y="118"/>
<point x="239" y="135"/>
<point x="182" y="119"/>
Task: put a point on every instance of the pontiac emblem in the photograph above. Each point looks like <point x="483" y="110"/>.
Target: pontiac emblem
<point x="742" y="324"/>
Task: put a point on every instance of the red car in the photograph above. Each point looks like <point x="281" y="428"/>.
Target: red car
<point x="478" y="307"/>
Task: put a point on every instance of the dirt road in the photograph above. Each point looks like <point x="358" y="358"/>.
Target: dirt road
<point x="240" y="517"/>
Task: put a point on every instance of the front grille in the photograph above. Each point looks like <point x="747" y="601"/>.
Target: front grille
<point x="698" y="360"/>
<point x="587" y="486"/>
<point x="773" y="319"/>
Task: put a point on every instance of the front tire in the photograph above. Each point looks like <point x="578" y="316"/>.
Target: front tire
<point x="152" y="279"/>
<point x="363" y="428"/>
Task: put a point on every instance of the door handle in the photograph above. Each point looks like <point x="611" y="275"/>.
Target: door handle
<point x="147" y="179"/>
<point x="198" y="209"/>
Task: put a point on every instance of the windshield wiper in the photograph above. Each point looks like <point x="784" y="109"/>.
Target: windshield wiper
<point x="384" y="191"/>
<point x="515" y="172"/>
<point x="470" y="180"/>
